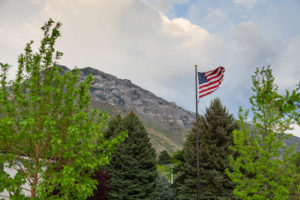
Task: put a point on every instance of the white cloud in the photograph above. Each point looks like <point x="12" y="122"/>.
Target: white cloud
<point x="252" y="47"/>
<point x="126" y="38"/>
<point x="164" y="6"/>
<point x="217" y="19"/>
<point x="248" y="50"/>
<point x="287" y="68"/>
<point x="130" y="39"/>
<point x="248" y="3"/>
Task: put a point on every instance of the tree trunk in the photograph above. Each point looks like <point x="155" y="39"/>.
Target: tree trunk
<point x="34" y="185"/>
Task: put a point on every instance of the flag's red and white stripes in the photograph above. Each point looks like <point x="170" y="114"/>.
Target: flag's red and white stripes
<point x="214" y="80"/>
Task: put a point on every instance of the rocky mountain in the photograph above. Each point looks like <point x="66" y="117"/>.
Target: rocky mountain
<point x="166" y="122"/>
<point x="127" y="96"/>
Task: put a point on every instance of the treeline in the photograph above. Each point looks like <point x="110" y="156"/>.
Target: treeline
<point x="65" y="150"/>
<point x="135" y="173"/>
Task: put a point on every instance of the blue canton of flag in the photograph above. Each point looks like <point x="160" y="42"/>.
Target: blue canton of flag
<point x="202" y="78"/>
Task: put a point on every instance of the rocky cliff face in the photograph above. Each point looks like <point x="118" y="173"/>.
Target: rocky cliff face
<point x="126" y="96"/>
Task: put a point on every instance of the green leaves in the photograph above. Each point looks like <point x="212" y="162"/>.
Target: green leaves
<point x="47" y="130"/>
<point x="263" y="166"/>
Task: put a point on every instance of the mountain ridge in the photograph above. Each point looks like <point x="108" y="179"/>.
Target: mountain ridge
<point x="166" y="122"/>
<point x="126" y="95"/>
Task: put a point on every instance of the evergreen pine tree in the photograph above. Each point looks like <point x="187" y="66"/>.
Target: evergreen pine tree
<point x="215" y="136"/>
<point x="164" y="158"/>
<point x="133" y="164"/>
<point x="163" y="189"/>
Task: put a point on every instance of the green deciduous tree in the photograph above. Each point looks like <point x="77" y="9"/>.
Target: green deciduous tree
<point x="47" y="131"/>
<point x="215" y="136"/>
<point x="133" y="164"/>
<point x="265" y="166"/>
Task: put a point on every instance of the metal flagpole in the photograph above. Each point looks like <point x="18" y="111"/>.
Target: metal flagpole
<point x="197" y="136"/>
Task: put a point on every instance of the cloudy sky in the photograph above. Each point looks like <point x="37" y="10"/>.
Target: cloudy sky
<point x="155" y="43"/>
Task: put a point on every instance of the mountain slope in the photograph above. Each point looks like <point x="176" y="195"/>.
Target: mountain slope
<point x="166" y="122"/>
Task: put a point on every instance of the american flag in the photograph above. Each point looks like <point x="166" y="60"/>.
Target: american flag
<point x="210" y="81"/>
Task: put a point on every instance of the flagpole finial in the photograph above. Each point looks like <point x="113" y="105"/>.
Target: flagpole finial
<point x="196" y="66"/>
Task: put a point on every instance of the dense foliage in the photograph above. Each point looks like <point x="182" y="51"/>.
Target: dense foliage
<point x="47" y="131"/>
<point x="294" y="187"/>
<point x="164" y="158"/>
<point x="103" y="179"/>
<point x="215" y="136"/>
<point x="133" y="164"/>
<point x="163" y="189"/>
<point x="265" y="166"/>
